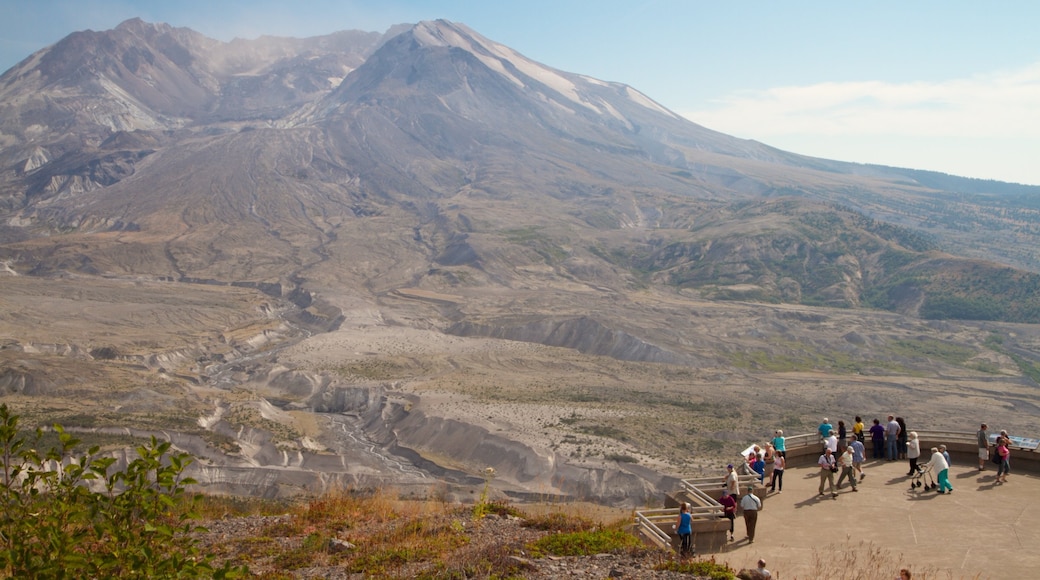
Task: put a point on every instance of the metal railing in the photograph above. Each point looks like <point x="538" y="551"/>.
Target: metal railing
<point x="647" y="522"/>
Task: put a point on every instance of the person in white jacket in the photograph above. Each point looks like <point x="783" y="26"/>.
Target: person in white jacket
<point x="913" y="452"/>
<point x="938" y="465"/>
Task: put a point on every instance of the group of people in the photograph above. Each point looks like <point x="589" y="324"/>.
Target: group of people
<point x="1000" y="454"/>
<point x="893" y="441"/>
<point x="844" y="453"/>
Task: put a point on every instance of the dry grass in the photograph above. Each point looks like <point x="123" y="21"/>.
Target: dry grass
<point x="382" y="536"/>
<point x="865" y="560"/>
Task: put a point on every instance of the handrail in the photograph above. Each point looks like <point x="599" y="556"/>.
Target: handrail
<point x="650" y="528"/>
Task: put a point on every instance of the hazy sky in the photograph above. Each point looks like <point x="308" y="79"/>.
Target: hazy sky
<point x="951" y="86"/>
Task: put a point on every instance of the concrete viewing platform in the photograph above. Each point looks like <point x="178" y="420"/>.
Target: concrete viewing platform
<point x="982" y="530"/>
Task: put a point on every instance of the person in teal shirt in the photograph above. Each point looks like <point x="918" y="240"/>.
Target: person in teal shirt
<point x="779" y="443"/>
<point x="684" y="528"/>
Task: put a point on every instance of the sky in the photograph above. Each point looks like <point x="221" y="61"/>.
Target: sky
<point x="950" y="86"/>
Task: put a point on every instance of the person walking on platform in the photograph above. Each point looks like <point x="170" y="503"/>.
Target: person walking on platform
<point x="827" y="468"/>
<point x="847" y="469"/>
<point x="750" y="504"/>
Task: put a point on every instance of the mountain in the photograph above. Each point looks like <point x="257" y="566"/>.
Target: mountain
<point x="184" y="218"/>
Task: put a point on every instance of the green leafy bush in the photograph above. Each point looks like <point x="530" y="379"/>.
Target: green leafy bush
<point x="585" y="543"/>
<point x="68" y="514"/>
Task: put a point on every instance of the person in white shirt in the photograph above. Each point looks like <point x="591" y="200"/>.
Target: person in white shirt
<point x="939" y="466"/>
<point x="847" y="469"/>
<point x="827" y="466"/>
<point x="777" y="483"/>
<point x="731" y="482"/>
<point x="763" y="574"/>
<point x="750" y="504"/>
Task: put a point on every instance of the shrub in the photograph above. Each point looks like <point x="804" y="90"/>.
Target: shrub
<point x="68" y="514"/>
<point x="585" y="543"/>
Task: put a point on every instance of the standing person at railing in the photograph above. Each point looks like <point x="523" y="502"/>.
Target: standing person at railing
<point x="857" y="428"/>
<point x="780" y="443"/>
<point x="983" y="443"/>
<point x="877" y="437"/>
<point x="769" y="456"/>
<point x="842" y="434"/>
<point x="731" y="483"/>
<point x="831" y="442"/>
<point x="1004" y="453"/>
<point x="777" y="482"/>
<point x="891" y="439"/>
<point x="729" y="509"/>
<point x="825" y="428"/>
<point x="902" y="437"/>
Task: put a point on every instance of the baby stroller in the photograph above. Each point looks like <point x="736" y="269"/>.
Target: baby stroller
<point x="923" y="478"/>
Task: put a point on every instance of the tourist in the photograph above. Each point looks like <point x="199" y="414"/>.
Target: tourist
<point x="770" y="459"/>
<point x="904" y="574"/>
<point x="1004" y="454"/>
<point x="891" y="439"/>
<point x="983" y="442"/>
<point x="729" y="509"/>
<point x="902" y="437"/>
<point x="946" y="455"/>
<point x="831" y="442"/>
<point x="877" y="437"/>
<point x="827" y="468"/>
<point x="780" y="443"/>
<point x="763" y="574"/>
<point x="684" y="528"/>
<point x="825" y="428"/>
<point x="758" y="465"/>
<point x="857" y="428"/>
<point x="750" y="504"/>
<point x="859" y="455"/>
<point x="777" y="482"/>
<point x="847" y="470"/>
<point x="938" y="466"/>
<point x="842" y="434"/>
<point x="731" y="482"/>
<point x="913" y="451"/>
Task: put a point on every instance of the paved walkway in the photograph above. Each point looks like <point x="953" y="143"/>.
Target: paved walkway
<point x="980" y="531"/>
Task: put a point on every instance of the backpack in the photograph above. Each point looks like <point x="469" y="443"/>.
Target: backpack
<point x="996" y="455"/>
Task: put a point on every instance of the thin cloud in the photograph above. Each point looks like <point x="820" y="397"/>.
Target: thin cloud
<point x="1001" y="104"/>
